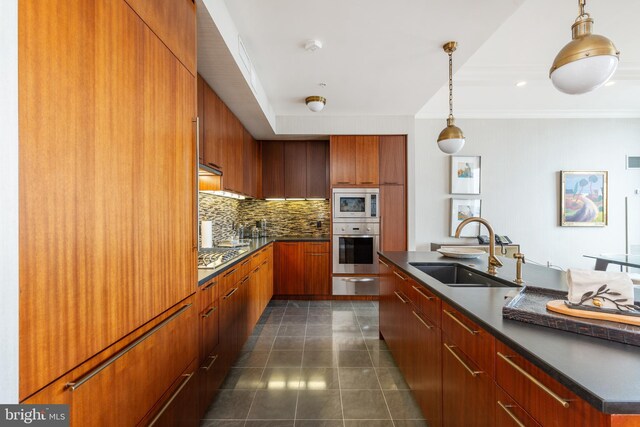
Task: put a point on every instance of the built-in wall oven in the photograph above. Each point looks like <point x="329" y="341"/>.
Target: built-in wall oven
<point x="355" y="252"/>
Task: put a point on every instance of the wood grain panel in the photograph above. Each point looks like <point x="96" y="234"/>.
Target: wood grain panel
<point x="290" y="265"/>
<point x="295" y="169"/>
<point x="232" y="178"/>
<point x="393" y="159"/>
<point x="316" y="273"/>
<point x="250" y="169"/>
<point x="214" y="131"/>
<point x="393" y="218"/>
<point x="272" y="169"/>
<point x="367" y="160"/>
<point x="318" y="169"/>
<point x="425" y="302"/>
<point x="201" y="85"/>
<point x="174" y="22"/>
<point x="509" y="413"/>
<point x="343" y="160"/>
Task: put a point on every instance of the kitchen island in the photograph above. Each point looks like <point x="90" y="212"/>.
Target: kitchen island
<point x="604" y="374"/>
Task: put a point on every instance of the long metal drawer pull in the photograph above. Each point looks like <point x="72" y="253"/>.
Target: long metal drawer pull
<point x="506" y="409"/>
<point x="383" y="263"/>
<point x="422" y="293"/>
<point x="213" y="360"/>
<point x="233" y="291"/>
<point x="312" y="254"/>
<point x="209" y="286"/>
<point x="75" y="385"/>
<point x="404" y="301"/>
<point x="459" y="322"/>
<point x="187" y="378"/>
<point x="245" y="279"/>
<point x="231" y="272"/>
<point x="209" y="312"/>
<point x="459" y="359"/>
<point x="400" y="276"/>
<point x="422" y="321"/>
<point x="534" y="380"/>
<point x="246" y="262"/>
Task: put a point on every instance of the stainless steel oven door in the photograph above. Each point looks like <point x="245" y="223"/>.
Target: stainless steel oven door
<point x="355" y="254"/>
<point x="360" y="285"/>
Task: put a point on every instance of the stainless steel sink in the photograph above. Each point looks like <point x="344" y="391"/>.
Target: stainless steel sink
<point x="460" y="276"/>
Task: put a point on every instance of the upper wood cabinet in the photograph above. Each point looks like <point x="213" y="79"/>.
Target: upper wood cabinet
<point x="272" y="169"/>
<point x="201" y="84"/>
<point x="233" y="177"/>
<point x="212" y="125"/>
<point x="393" y="218"/>
<point x="97" y="193"/>
<point x="173" y="22"/>
<point x="295" y="169"/>
<point x="393" y="159"/>
<point x="251" y="165"/>
<point x="317" y="169"/>
<point x="354" y="160"/>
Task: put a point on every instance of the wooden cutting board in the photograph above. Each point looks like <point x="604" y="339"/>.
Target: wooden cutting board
<point x="559" y="306"/>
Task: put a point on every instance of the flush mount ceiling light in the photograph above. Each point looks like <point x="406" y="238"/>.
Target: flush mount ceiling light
<point x="451" y="139"/>
<point x="587" y="62"/>
<point x="315" y="103"/>
<point x="312" y="45"/>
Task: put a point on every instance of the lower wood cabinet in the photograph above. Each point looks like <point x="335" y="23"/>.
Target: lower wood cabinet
<point x="302" y="268"/>
<point x="180" y="407"/>
<point x="509" y="413"/>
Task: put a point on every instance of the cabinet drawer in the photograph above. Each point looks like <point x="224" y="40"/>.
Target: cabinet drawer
<point x="209" y="329"/>
<point x="426" y="302"/>
<point x="471" y="339"/>
<point x="257" y="259"/>
<point x="131" y="377"/>
<point x="207" y="294"/>
<point x="179" y="407"/>
<point x="548" y="402"/>
<point x="509" y="413"/>
<point x="316" y="247"/>
<point x="245" y="267"/>
<point x="229" y="279"/>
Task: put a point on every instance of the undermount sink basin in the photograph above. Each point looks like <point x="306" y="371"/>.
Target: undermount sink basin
<point x="460" y="276"/>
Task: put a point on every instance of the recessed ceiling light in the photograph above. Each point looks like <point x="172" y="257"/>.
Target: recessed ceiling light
<point x="522" y="83"/>
<point x="610" y="83"/>
<point x="322" y="84"/>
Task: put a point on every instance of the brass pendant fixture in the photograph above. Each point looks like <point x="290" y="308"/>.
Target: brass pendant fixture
<point x="587" y="62"/>
<point x="451" y="139"/>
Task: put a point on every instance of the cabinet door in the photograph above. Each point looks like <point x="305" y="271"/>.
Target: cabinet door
<point x="290" y="276"/>
<point x="316" y="273"/>
<point x="467" y="391"/>
<point x="386" y="299"/>
<point x="509" y="413"/>
<point x="393" y="218"/>
<point x="201" y="85"/>
<point x="393" y="160"/>
<point x="180" y="408"/>
<point x="174" y="22"/>
<point x="318" y="169"/>
<point x="366" y="160"/>
<point x="213" y="126"/>
<point x="232" y="179"/>
<point x="295" y="169"/>
<point x="273" y="169"/>
<point x="249" y="164"/>
<point x="343" y="160"/>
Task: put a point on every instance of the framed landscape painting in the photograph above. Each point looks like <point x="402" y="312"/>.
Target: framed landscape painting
<point x="462" y="209"/>
<point x="583" y="198"/>
<point x="465" y="174"/>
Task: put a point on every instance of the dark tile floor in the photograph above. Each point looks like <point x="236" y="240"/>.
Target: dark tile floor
<point x="315" y="364"/>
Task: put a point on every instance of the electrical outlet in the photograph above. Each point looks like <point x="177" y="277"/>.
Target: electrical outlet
<point x="318" y="224"/>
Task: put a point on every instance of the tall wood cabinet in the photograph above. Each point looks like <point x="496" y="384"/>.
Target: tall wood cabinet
<point x="107" y="177"/>
<point x="354" y="160"/>
<point x="393" y="196"/>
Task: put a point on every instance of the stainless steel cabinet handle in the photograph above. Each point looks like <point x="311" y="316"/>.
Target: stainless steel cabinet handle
<point x="244" y="280"/>
<point x="506" y="409"/>
<point x="210" y="285"/>
<point x="400" y="276"/>
<point x="343" y="182"/>
<point x="366" y="182"/>
<point x="209" y="312"/>
<point x="213" y="360"/>
<point x="187" y="378"/>
<point x="383" y="263"/>
<point x="231" y="272"/>
<point x="401" y="299"/>
<point x="418" y="290"/>
<point x="233" y="291"/>
<point x="246" y="262"/>
<point x="459" y="359"/>
<point x="422" y="321"/>
<point x="459" y="322"/>
<point x="534" y="380"/>
<point x="75" y="385"/>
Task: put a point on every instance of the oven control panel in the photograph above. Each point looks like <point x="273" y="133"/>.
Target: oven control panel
<point x="356" y="229"/>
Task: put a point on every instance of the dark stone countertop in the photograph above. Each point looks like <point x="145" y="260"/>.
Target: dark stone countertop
<point x="604" y="373"/>
<point x="206" y="274"/>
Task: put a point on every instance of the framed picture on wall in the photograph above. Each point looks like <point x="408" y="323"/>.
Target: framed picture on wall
<point x="462" y="209"/>
<point x="583" y="198"/>
<point x="465" y="174"/>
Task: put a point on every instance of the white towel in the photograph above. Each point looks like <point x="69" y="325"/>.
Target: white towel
<point x="206" y="234"/>
<point x="608" y="289"/>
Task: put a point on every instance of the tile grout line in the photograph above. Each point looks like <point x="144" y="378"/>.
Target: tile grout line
<point x="344" y="423"/>
<point x="295" y="411"/>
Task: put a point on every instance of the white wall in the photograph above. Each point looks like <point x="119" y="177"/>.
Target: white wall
<point x="9" y="201"/>
<point x="521" y="160"/>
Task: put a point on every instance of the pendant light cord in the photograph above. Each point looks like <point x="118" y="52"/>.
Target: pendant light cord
<point x="581" y="12"/>
<point x="450" y="84"/>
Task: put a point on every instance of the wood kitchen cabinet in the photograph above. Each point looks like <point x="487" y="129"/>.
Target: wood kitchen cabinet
<point x="251" y="165"/>
<point x="273" y="169"/>
<point x="113" y="107"/>
<point x="393" y="159"/>
<point x="318" y="169"/>
<point x="354" y="160"/>
<point x="295" y="169"/>
<point x="316" y="268"/>
<point x="289" y="278"/>
<point x="201" y="85"/>
<point x="393" y="218"/>
<point x="212" y="123"/>
<point x="233" y="176"/>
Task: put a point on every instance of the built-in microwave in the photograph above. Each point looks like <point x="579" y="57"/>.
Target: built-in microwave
<point x="356" y="203"/>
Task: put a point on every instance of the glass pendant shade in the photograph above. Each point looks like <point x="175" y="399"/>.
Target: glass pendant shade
<point x="451" y="140"/>
<point x="587" y="62"/>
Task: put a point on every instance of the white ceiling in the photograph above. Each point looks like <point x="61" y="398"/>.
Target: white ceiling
<point x="384" y="58"/>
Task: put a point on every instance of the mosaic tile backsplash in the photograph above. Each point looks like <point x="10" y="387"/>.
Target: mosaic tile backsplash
<point x="284" y="218"/>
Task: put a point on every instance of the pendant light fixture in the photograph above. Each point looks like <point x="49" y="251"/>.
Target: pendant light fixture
<point x="451" y="139"/>
<point x="587" y="62"/>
